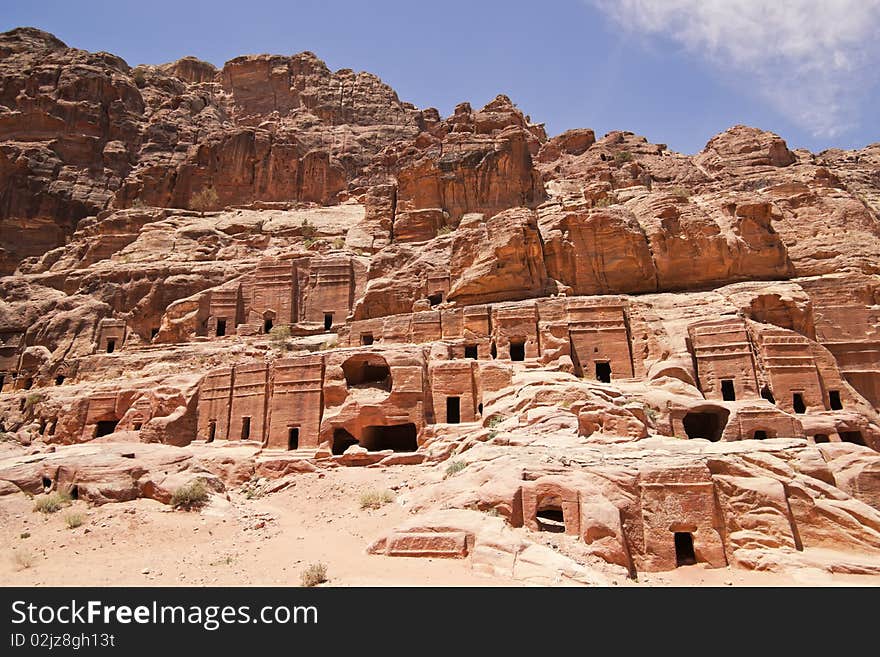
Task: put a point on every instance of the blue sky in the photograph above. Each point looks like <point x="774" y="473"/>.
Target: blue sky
<point x="676" y="71"/>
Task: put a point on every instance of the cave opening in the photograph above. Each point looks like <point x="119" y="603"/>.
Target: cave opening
<point x="267" y="325"/>
<point x="111" y="346"/>
<point x="550" y="519"/>
<point x="470" y="351"/>
<point x="221" y="328"/>
<point x="367" y="370"/>
<point x="759" y="434"/>
<point x="517" y="350"/>
<point x="854" y="437"/>
<point x="328" y="321"/>
<point x="684" y="549"/>
<point x="293" y="438"/>
<point x="435" y="299"/>
<point x="59" y="380"/>
<point x="212" y="430"/>
<point x="834" y="398"/>
<point x="728" y="392"/>
<point x="603" y="372"/>
<point x="105" y="427"/>
<point x="396" y="437"/>
<point x="47" y="483"/>
<point x="366" y="339"/>
<point x="821" y="438"/>
<point x="342" y="440"/>
<point x="453" y="410"/>
<point x="767" y="394"/>
<point x="705" y="423"/>
<point x="797" y="401"/>
<point x="245" y="427"/>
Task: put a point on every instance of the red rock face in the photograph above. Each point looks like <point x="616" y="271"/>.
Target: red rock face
<point x="662" y="358"/>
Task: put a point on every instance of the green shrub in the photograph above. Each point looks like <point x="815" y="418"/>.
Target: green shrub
<point x="32" y="400"/>
<point x="190" y="496"/>
<point x="454" y="468"/>
<point x="307" y="230"/>
<point x="278" y="336"/>
<point x="339" y="243"/>
<point x="315" y="574"/>
<point x="24" y="535"/>
<point x="603" y="202"/>
<point x="494" y="421"/>
<point x="74" y="520"/>
<point x="375" y="499"/>
<point x="623" y="157"/>
<point x="679" y="192"/>
<point x="51" y="503"/>
<point x="444" y="230"/>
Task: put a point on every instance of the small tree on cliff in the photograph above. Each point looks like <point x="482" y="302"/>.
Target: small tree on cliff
<point x="204" y="200"/>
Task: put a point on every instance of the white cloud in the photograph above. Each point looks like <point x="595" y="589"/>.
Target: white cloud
<point x="812" y="60"/>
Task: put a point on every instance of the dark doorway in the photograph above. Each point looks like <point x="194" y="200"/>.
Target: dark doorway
<point x="834" y="398"/>
<point x="480" y="408"/>
<point x="550" y="519"/>
<point x="728" y="392"/>
<point x="396" y="437"/>
<point x="47" y="483"/>
<point x="707" y="424"/>
<point x="760" y="434"/>
<point x="366" y="339"/>
<point x="105" y="427"/>
<point x="342" y="440"/>
<point x="517" y="350"/>
<point x="684" y="549"/>
<point x="245" y="428"/>
<point x="293" y="438"/>
<point x="768" y="395"/>
<point x="453" y="410"/>
<point x="470" y="351"/>
<point x="153" y="333"/>
<point x="2" y="379"/>
<point x="493" y="351"/>
<point x="212" y="430"/>
<point x="820" y="438"/>
<point x="328" y="321"/>
<point x="435" y="299"/>
<point x="73" y="492"/>
<point x="797" y="401"/>
<point x="138" y="425"/>
<point x="267" y="326"/>
<point x="603" y="372"/>
<point x="221" y="328"/>
<point x="111" y="346"/>
<point x="59" y="379"/>
<point x="854" y="437"/>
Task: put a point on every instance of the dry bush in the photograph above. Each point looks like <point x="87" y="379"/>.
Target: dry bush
<point x="374" y="499"/>
<point x="315" y="574"/>
<point x="190" y="496"/>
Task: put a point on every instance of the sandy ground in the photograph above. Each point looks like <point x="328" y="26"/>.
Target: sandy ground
<point x="269" y="541"/>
